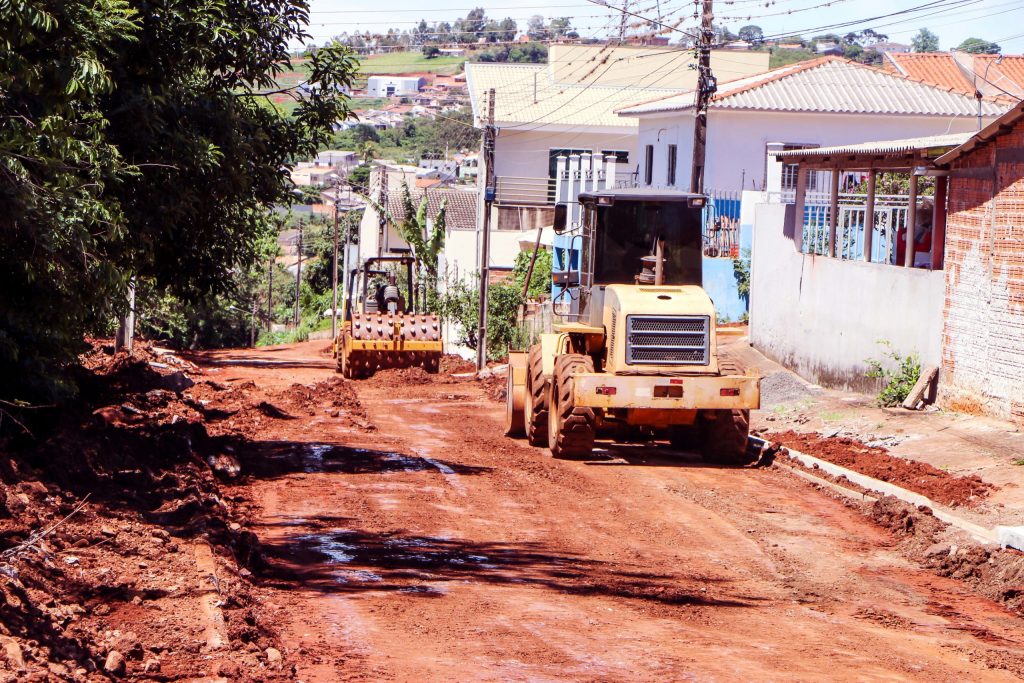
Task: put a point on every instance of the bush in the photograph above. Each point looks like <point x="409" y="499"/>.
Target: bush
<point x="897" y="383"/>
<point x="458" y="304"/>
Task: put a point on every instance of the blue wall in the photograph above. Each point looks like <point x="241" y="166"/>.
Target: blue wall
<point x="719" y="277"/>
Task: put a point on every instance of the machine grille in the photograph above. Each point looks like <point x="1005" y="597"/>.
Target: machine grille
<point x="667" y="340"/>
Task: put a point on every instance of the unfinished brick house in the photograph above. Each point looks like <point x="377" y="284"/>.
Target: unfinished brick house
<point x="951" y="291"/>
<point x="983" y="329"/>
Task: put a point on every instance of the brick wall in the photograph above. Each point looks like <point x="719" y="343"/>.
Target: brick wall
<point x="983" y="334"/>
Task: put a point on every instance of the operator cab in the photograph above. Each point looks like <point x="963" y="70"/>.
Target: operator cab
<point x="634" y="236"/>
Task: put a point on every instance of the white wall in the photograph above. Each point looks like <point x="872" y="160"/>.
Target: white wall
<point x="737" y="139"/>
<point x="377" y="86"/>
<point x="524" y="154"/>
<point x="823" y="317"/>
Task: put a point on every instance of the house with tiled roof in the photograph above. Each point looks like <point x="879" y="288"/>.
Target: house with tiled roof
<point x="820" y="102"/>
<point x="379" y="236"/>
<point x="996" y="76"/>
<point x="569" y="105"/>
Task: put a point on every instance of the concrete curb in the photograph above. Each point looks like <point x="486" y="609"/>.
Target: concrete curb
<point x="1005" y="536"/>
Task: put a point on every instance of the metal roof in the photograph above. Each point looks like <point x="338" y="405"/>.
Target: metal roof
<point x="881" y="147"/>
<point x="642" y="193"/>
<point x="585" y="85"/>
<point x="832" y="85"/>
<point x="995" y="129"/>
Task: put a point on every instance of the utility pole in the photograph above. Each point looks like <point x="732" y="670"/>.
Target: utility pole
<point x="270" y="292"/>
<point x="298" y="273"/>
<point x="624" y="21"/>
<point x="485" y="236"/>
<point x="706" y="87"/>
<point x="334" y="267"/>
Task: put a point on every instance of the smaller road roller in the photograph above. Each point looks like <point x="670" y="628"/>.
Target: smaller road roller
<point x="381" y="328"/>
<point x="638" y="355"/>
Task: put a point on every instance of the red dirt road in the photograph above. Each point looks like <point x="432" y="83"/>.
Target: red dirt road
<point x="434" y="548"/>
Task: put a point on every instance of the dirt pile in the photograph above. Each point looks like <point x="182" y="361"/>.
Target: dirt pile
<point x="997" y="574"/>
<point x="456" y="365"/>
<point x="874" y="461"/>
<point x="121" y="555"/>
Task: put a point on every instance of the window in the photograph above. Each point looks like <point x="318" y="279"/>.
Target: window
<point x="621" y="157"/>
<point x="671" y="165"/>
<point x="789" y="171"/>
<point x="648" y="164"/>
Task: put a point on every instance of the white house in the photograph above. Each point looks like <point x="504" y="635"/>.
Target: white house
<point x="825" y="101"/>
<point x="394" y="86"/>
<point x="567" y="106"/>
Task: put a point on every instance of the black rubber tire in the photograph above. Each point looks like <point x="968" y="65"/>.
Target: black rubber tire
<point x="535" y="412"/>
<point x="571" y="428"/>
<point x="723" y="436"/>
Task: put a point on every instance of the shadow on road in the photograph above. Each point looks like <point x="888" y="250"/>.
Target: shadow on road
<point x="354" y="561"/>
<point x="269" y="459"/>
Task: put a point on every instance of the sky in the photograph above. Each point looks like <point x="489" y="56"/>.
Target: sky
<point x="1001" y="21"/>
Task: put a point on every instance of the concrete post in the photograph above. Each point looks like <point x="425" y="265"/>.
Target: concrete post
<point x="833" y="212"/>
<point x="561" y="180"/>
<point x="801" y="199"/>
<point x="574" y="189"/>
<point x="773" y="168"/>
<point x="939" y="223"/>
<point x="586" y="172"/>
<point x="869" y="215"/>
<point x="908" y="260"/>
<point x="610" y="167"/>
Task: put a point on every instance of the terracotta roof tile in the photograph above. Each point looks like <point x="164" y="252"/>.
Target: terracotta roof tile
<point x="460" y="213"/>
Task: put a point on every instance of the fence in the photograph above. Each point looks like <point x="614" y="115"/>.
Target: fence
<point x="891" y="213"/>
<point x="721" y="231"/>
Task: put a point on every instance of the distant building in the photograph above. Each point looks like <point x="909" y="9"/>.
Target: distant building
<point x="828" y="47"/>
<point x="340" y="160"/>
<point x="891" y="47"/>
<point x="394" y="86"/>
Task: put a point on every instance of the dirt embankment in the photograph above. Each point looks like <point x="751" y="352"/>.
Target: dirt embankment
<point x="941" y="487"/>
<point x="123" y="553"/>
<point x="997" y="574"/>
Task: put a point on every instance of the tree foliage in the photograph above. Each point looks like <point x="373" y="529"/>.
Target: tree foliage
<point x="136" y="145"/>
<point x="978" y="46"/>
<point x="925" y="41"/>
<point x="752" y="34"/>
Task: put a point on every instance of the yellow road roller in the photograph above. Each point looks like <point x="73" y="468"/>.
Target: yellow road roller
<point x="381" y="328"/>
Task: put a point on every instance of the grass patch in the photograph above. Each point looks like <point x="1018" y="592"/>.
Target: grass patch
<point x="785" y="57"/>
<point x="831" y="416"/>
<point x="400" y="62"/>
<point x="1019" y="461"/>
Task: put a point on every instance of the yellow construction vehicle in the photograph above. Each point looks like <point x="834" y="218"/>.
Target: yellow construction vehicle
<point x="384" y="331"/>
<point x="638" y="353"/>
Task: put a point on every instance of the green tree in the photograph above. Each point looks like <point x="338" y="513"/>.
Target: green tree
<point x="424" y="236"/>
<point x="540" y="280"/>
<point x="979" y="47"/>
<point x="359" y="179"/>
<point x="367" y="151"/>
<point x="925" y="41"/>
<point x="139" y="144"/>
<point x="752" y="34"/>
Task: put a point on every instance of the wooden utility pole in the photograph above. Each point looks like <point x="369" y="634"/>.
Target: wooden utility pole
<point x="270" y="292"/>
<point x="706" y="87"/>
<point x="298" y="273"/>
<point x="485" y="236"/>
<point x="334" y="268"/>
